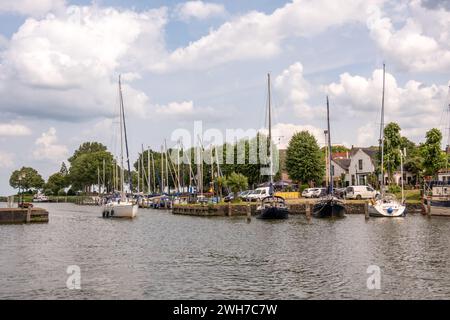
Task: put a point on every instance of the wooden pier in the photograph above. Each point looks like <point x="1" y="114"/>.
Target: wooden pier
<point x="19" y="215"/>
<point x="295" y="208"/>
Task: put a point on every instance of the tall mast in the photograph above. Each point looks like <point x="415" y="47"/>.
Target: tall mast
<point x="148" y="170"/>
<point x="162" y="169"/>
<point x="270" y="136"/>
<point x="447" y="151"/>
<point x="104" y="176"/>
<point x="126" y="140"/>
<point x="329" y="148"/>
<point x="382" y="132"/>
<point x="121" y="142"/>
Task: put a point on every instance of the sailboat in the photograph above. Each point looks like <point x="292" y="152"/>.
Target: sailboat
<point x="122" y="206"/>
<point x="329" y="206"/>
<point x="272" y="207"/>
<point x="386" y="205"/>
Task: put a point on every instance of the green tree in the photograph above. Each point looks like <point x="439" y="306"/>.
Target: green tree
<point x="64" y="172"/>
<point x="55" y="183"/>
<point x="27" y="178"/>
<point x="392" y="145"/>
<point x="304" y="160"/>
<point x="236" y="182"/>
<point x="86" y="148"/>
<point x="433" y="157"/>
<point x="83" y="172"/>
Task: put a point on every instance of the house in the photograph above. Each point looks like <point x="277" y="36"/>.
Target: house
<point x="363" y="164"/>
<point x="339" y="170"/>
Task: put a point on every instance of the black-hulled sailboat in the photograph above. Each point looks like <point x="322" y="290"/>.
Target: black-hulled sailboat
<point x="329" y="206"/>
<point x="271" y="207"/>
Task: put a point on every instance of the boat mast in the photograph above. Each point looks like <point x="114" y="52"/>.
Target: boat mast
<point x="382" y="132"/>
<point x="148" y="170"/>
<point x="121" y="142"/>
<point x="330" y="190"/>
<point x="162" y="170"/>
<point x="270" y="137"/>
<point x="126" y="140"/>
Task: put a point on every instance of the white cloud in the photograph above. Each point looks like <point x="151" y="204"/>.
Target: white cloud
<point x="65" y="66"/>
<point x="6" y="160"/>
<point x="47" y="147"/>
<point x="31" y="7"/>
<point x="283" y="132"/>
<point x="295" y="91"/>
<point x="417" y="107"/>
<point x="421" y="44"/>
<point x="13" y="130"/>
<point x="198" y="10"/>
<point x="257" y="35"/>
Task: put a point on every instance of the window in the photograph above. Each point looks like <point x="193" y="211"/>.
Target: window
<point x="369" y="189"/>
<point x="360" y="164"/>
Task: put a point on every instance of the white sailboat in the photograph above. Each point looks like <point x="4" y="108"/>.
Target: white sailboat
<point x="386" y="205"/>
<point x="122" y="206"/>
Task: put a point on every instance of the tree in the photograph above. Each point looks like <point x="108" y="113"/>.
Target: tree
<point x="56" y="182"/>
<point x="83" y="172"/>
<point x="304" y="160"/>
<point x="64" y="172"/>
<point x="236" y="182"/>
<point x="86" y="148"/>
<point x="433" y="157"/>
<point x="392" y="145"/>
<point x="30" y="179"/>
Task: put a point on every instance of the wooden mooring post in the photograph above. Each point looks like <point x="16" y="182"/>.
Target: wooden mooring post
<point x="429" y="207"/>
<point x="249" y="213"/>
<point x="229" y="210"/>
<point x="308" y="210"/>
<point x="29" y="214"/>
<point x="366" y="210"/>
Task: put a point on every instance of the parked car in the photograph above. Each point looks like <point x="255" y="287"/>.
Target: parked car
<point x="311" y="193"/>
<point x="229" y="197"/>
<point x="322" y="192"/>
<point x="244" y="194"/>
<point x="360" y="192"/>
<point x="258" y="194"/>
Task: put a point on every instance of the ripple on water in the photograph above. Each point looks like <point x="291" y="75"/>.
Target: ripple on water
<point x="163" y="256"/>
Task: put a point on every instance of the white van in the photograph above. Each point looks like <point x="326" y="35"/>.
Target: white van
<point x="360" y="192"/>
<point x="258" y="194"/>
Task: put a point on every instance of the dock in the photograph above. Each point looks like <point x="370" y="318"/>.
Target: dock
<point x="295" y="208"/>
<point x="19" y="215"/>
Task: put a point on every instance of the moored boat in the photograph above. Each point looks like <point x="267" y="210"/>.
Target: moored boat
<point x="272" y="207"/>
<point x="329" y="206"/>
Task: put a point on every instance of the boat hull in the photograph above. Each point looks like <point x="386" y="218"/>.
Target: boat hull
<point x="329" y="209"/>
<point x="391" y="210"/>
<point x="115" y="210"/>
<point x="273" y="213"/>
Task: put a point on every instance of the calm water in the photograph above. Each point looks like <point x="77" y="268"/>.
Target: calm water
<point x="162" y="256"/>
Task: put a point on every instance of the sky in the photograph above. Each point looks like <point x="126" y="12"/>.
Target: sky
<point x="207" y="62"/>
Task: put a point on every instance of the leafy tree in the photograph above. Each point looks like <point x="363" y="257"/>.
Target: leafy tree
<point x="30" y="179"/>
<point x="64" y="172"/>
<point x="84" y="169"/>
<point x="236" y="182"/>
<point x="392" y="145"/>
<point x="304" y="160"/>
<point x="56" y="182"/>
<point x="86" y="148"/>
<point x="433" y="157"/>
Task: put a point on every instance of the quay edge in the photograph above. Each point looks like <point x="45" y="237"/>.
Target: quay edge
<point x="294" y="209"/>
<point x="20" y="216"/>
